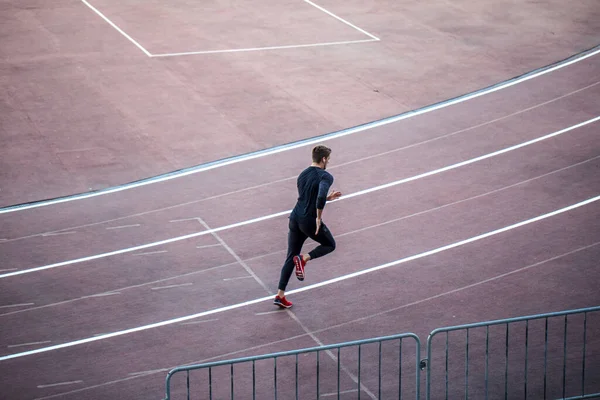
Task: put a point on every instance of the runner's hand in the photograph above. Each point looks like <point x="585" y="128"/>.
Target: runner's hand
<point x="334" y="195"/>
<point x="318" y="226"/>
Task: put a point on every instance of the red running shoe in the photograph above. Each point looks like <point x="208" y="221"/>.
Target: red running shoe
<point x="282" y="302"/>
<point x="299" y="263"/>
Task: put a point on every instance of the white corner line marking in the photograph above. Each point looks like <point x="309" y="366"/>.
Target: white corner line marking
<point x="341" y="19"/>
<point x="239" y="277"/>
<point x="306" y="143"/>
<point x="271" y="216"/>
<point x="58" y="233"/>
<point x="200" y="322"/>
<point x="123" y="226"/>
<point x="28" y="344"/>
<point x="303" y="289"/>
<point x="18" y="305"/>
<point x="291" y="46"/>
<point x="139" y="46"/>
<point x="59" y="384"/>
<point x="270" y="312"/>
<point x="147" y="253"/>
<point x="171" y="286"/>
<point x="209" y="245"/>
<point x="103" y="294"/>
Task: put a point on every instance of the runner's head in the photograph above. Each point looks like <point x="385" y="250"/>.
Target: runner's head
<point x="321" y="155"/>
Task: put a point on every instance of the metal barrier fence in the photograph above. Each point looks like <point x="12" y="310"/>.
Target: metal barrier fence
<point x="537" y="357"/>
<point x="373" y="368"/>
<point x="553" y="355"/>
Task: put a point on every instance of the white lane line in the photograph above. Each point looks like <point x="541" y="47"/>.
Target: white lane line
<point x="319" y="139"/>
<point x="58" y="233"/>
<point x="341" y="19"/>
<point x="270" y="312"/>
<point x="3" y="240"/>
<point x="8" y="269"/>
<point x="200" y="322"/>
<point x="123" y="226"/>
<point x="237" y="191"/>
<point x="208" y="245"/>
<point x="27" y="344"/>
<point x="154" y="371"/>
<point x="103" y="294"/>
<point x="342" y="392"/>
<point x="243" y="50"/>
<point x="185" y="219"/>
<point x="239" y="277"/>
<point x="139" y="46"/>
<point x="271" y="216"/>
<point x="306" y="288"/>
<point x="18" y="305"/>
<point x="171" y="286"/>
<point x="150" y="252"/>
<point x="59" y="384"/>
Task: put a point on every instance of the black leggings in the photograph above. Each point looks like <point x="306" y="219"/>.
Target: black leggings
<point x="300" y="230"/>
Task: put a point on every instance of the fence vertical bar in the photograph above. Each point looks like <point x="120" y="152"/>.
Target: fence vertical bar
<point x="565" y="359"/>
<point x="506" y="364"/>
<point x="583" y="362"/>
<point x="359" y="354"/>
<point x="210" y="383"/>
<point x="467" y="367"/>
<point x="379" y="371"/>
<point x="526" y="352"/>
<point x="296" y="376"/>
<point x="231" y="377"/>
<point x="188" y="385"/>
<point x="275" y="375"/>
<point x="318" y="367"/>
<point x="487" y="358"/>
<point x="338" y="373"/>
<point x="400" y="370"/>
<point x="446" y="396"/>
<point x="253" y="379"/>
<point x="545" y="356"/>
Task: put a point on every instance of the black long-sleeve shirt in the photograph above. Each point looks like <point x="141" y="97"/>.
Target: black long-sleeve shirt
<point x="313" y="186"/>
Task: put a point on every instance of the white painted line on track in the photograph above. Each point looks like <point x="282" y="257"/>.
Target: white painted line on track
<point x="58" y="233"/>
<point x="270" y="312"/>
<point x="239" y="277"/>
<point x="123" y="226"/>
<point x="171" y="286"/>
<point x="8" y="269"/>
<point x="18" y="305"/>
<point x="275" y="215"/>
<point x="28" y="344"/>
<point x="306" y="288"/>
<point x="103" y="294"/>
<point x="243" y="50"/>
<point x="209" y="245"/>
<point x="316" y="140"/>
<point x="150" y="253"/>
<point x="154" y="371"/>
<point x="185" y="219"/>
<point x="199" y="322"/>
<point x="59" y="384"/>
<point x="341" y="20"/>
<point x="139" y="46"/>
<point x="341" y="392"/>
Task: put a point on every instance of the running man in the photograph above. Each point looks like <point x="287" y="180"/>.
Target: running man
<point x="306" y="220"/>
